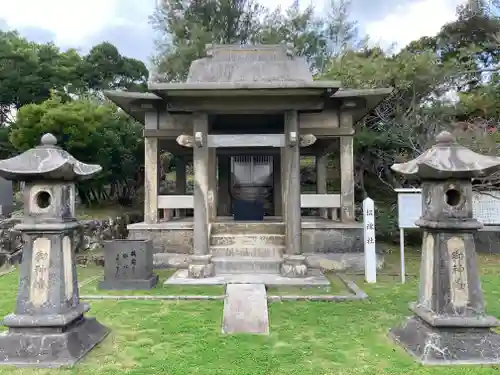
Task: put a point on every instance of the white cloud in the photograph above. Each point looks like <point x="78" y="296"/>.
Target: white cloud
<point x="412" y="21"/>
<point x="71" y="21"/>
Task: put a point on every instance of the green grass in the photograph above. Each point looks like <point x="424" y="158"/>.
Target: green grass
<point x="317" y="338"/>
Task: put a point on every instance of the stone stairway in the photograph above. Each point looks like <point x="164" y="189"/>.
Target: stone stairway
<point x="247" y="247"/>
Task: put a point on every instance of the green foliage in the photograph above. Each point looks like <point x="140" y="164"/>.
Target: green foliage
<point x="104" y="68"/>
<point x="93" y="133"/>
<point x="29" y="72"/>
<point x="185" y="27"/>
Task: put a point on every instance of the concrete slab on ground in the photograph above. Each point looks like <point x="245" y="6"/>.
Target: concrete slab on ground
<point x="314" y="278"/>
<point x="245" y="309"/>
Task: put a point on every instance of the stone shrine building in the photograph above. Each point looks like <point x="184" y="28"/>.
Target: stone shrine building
<point x="244" y="117"/>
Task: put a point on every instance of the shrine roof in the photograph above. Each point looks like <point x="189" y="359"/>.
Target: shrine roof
<point x="136" y="103"/>
<point x="246" y="69"/>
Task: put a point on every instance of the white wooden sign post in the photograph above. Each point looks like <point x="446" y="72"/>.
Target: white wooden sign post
<point x="369" y="236"/>
<point x="409" y="211"/>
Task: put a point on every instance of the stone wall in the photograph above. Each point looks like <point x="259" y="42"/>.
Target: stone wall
<point x="91" y="234"/>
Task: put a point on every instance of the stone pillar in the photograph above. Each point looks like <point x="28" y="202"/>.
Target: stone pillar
<point x="223" y="195"/>
<point x="321" y="180"/>
<point x="212" y="184"/>
<point x="200" y="262"/>
<point x="283" y="156"/>
<point x="293" y="263"/>
<point x="278" y="204"/>
<point x="346" y="169"/>
<point x="180" y="180"/>
<point x="151" y="180"/>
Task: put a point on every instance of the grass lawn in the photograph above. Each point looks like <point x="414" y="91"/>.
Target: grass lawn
<point x="317" y="338"/>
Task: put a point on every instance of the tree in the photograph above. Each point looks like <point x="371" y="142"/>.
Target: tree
<point x="92" y="132"/>
<point x="475" y="26"/>
<point x="29" y="72"/>
<point x="406" y="123"/>
<point x="476" y="30"/>
<point x="105" y="68"/>
<point x="186" y="26"/>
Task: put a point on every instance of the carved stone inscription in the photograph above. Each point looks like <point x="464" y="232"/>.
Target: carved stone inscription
<point x="458" y="274"/>
<point x="40" y="263"/>
<point x="68" y="267"/>
<point x="126" y="264"/>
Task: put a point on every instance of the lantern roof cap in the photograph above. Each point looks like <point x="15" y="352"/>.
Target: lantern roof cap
<point x="47" y="161"/>
<point x="448" y="159"/>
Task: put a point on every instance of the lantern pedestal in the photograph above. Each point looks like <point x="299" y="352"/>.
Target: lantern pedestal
<point x="39" y="346"/>
<point x="448" y="345"/>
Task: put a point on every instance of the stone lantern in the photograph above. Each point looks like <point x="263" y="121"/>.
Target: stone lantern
<point x="449" y="325"/>
<point x="48" y="327"/>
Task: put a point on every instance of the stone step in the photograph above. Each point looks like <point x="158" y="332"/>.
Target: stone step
<point x="248" y="228"/>
<point x="245" y="309"/>
<point x="269" y="251"/>
<point x="239" y="265"/>
<point x="244" y="240"/>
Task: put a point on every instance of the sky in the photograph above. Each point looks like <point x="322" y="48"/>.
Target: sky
<point x="83" y="24"/>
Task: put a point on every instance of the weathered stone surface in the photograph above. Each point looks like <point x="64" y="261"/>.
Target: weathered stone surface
<point x="47" y="160"/>
<point x="447" y="159"/>
<point x="48" y="327"/>
<point x="48" y="348"/>
<point x="251" y="264"/>
<point x="231" y="63"/>
<point x="294" y="266"/>
<point x="11" y="242"/>
<point x="272" y="251"/>
<point x="332" y="240"/>
<point x="340" y="261"/>
<point x="6" y="198"/>
<point x="250" y="140"/>
<point x="450" y="325"/>
<point x="245" y="309"/>
<point x="178" y="240"/>
<point x="234" y="239"/>
<point x="128" y="265"/>
<point x="448" y="346"/>
<point x="313" y="278"/>
<point x="201" y="266"/>
<point x="249" y="228"/>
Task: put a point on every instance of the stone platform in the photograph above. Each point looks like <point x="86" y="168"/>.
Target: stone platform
<point x="314" y="278"/>
<point x="173" y="239"/>
<point x="142" y="284"/>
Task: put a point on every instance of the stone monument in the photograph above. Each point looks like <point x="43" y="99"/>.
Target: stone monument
<point x="128" y="265"/>
<point x="48" y="327"/>
<point x="449" y="325"/>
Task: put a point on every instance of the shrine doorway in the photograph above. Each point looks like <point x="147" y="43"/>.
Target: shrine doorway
<point x="252" y="187"/>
